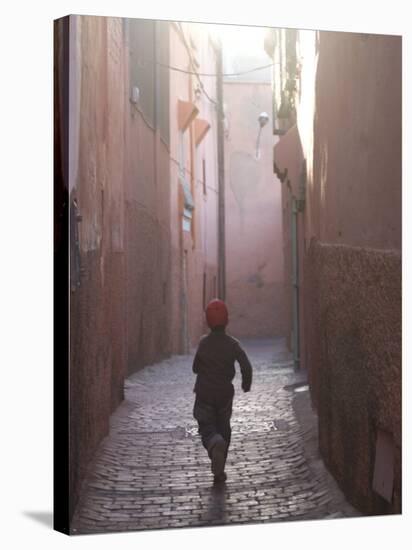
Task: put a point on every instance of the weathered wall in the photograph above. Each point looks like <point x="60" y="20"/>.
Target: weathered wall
<point x="288" y="164"/>
<point x="205" y="167"/>
<point x="354" y="196"/>
<point x="352" y="282"/>
<point x="354" y="340"/>
<point x="349" y="124"/>
<point x="254" y="248"/>
<point x="119" y="177"/>
<point x="147" y="196"/>
<point x="97" y="305"/>
<point x="194" y="252"/>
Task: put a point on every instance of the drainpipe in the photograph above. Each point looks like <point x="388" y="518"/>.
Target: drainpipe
<point x="295" y="284"/>
<point x="221" y="176"/>
<point x="298" y="205"/>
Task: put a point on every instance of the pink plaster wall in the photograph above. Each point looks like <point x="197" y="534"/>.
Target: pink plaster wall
<point x="120" y="175"/>
<point x="98" y="345"/>
<point x="354" y="260"/>
<point x="349" y="122"/>
<point x="254" y="246"/>
<point x="357" y="141"/>
<point x="288" y="161"/>
<point x="199" y="246"/>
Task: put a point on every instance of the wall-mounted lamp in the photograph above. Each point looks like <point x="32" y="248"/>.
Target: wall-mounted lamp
<point x="263" y="119"/>
<point x="135" y="95"/>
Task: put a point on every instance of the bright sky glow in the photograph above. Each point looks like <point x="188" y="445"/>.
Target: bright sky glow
<point x="240" y="39"/>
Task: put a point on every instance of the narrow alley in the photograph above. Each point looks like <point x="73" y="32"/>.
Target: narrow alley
<point x="152" y="471"/>
<point x="196" y="162"/>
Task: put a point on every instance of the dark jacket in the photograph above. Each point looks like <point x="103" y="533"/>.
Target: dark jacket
<point x="214" y="364"/>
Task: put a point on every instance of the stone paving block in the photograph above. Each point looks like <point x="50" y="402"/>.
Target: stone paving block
<point x="152" y="471"/>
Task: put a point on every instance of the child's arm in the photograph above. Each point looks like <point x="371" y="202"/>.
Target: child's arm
<point x="245" y="368"/>
<point x="195" y="366"/>
<point x="196" y="361"/>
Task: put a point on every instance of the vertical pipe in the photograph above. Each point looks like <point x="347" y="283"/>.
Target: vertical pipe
<point x="192" y="168"/>
<point x="185" y="326"/>
<point x="257" y="154"/>
<point x="295" y="285"/>
<point x="221" y="177"/>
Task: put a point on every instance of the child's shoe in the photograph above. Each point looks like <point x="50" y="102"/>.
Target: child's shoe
<point x="218" y="456"/>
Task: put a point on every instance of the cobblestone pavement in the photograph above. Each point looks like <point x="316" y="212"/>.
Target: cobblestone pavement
<point x="152" y="471"/>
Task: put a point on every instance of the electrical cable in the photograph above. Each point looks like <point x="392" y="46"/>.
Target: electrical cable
<point x="214" y="74"/>
<point x="193" y="65"/>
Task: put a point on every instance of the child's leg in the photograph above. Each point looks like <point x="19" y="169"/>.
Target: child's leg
<point x="212" y="438"/>
<point x="224" y="414"/>
<point x="205" y="415"/>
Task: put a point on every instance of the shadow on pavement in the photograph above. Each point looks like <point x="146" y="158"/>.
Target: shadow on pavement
<point x="217" y="506"/>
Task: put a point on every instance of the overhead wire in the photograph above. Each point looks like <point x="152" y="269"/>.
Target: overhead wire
<point x="192" y="63"/>
<point x="215" y="74"/>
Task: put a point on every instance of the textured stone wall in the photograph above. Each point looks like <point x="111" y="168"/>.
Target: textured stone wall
<point x="120" y="174"/>
<point x="352" y="286"/>
<point x="349" y="241"/>
<point x="97" y="301"/>
<point x="353" y="335"/>
<point x="125" y="306"/>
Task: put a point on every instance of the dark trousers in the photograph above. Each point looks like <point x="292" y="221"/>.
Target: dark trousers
<point x="213" y="418"/>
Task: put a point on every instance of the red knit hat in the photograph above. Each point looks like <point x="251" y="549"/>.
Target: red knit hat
<point x="217" y="314"/>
